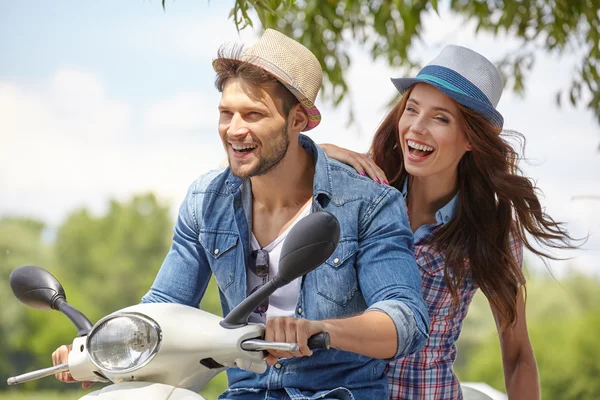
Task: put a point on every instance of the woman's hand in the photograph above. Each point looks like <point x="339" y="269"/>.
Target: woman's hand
<point x="360" y="162"/>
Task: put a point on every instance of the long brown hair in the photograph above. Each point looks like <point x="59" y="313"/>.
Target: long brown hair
<point x="496" y="201"/>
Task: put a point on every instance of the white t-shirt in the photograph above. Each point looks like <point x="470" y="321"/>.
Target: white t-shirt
<point x="282" y="303"/>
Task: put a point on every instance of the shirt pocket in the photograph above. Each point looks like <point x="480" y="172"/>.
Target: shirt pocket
<point x="336" y="278"/>
<point x="220" y="247"/>
<point x="430" y="263"/>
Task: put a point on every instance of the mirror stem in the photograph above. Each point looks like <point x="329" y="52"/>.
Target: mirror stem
<point x="81" y="322"/>
<point x="238" y="317"/>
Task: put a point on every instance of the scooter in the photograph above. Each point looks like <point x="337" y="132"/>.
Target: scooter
<point x="148" y="353"/>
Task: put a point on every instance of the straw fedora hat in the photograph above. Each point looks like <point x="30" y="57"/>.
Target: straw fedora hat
<point x="464" y="75"/>
<point x="293" y="65"/>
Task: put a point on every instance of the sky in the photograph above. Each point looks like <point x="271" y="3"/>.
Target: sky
<point x="102" y="100"/>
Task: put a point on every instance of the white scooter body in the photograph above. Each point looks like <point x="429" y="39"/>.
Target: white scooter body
<point x="142" y="390"/>
<point x="163" y="351"/>
<point x="176" y="364"/>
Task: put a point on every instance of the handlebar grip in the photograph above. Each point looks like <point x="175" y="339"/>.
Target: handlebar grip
<point x="319" y="341"/>
<point x="40" y="373"/>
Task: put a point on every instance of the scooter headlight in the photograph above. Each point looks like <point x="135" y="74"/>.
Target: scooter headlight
<point x="123" y="342"/>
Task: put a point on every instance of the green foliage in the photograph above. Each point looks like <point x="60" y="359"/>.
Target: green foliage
<point x="104" y="263"/>
<point x="390" y="28"/>
<point x="562" y="319"/>
<point x="215" y="387"/>
<point x="107" y="262"/>
<point x="558" y="27"/>
<point x="20" y="244"/>
<point x="385" y="28"/>
<point x="119" y="253"/>
<point x="14" y="394"/>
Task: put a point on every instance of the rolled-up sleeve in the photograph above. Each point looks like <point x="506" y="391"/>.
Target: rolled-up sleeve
<point x="388" y="274"/>
<point x="412" y="330"/>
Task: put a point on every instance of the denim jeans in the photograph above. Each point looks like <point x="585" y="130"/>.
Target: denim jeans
<point x="286" y="394"/>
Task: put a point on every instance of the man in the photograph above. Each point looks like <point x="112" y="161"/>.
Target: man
<point x="233" y="221"/>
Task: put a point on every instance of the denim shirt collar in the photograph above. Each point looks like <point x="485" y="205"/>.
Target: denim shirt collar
<point x="444" y="214"/>
<point x="322" y="180"/>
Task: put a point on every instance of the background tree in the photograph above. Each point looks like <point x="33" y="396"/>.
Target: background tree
<point x="20" y="244"/>
<point x="388" y="29"/>
<point x="560" y="316"/>
<point x="118" y="253"/>
<point x="104" y="262"/>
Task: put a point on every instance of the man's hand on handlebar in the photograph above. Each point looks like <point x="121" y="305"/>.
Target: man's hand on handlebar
<point x="61" y="356"/>
<point x="291" y="330"/>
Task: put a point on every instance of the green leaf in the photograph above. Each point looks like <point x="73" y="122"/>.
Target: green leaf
<point x="572" y="97"/>
<point x="389" y="28"/>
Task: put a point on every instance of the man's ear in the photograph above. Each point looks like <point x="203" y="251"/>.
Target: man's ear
<point x="298" y="118"/>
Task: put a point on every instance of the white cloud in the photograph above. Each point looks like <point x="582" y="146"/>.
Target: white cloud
<point x="191" y="37"/>
<point x="68" y="144"/>
<point x="186" y="111"/>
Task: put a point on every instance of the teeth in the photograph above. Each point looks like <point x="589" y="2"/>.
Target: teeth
<point x="242" y="146"/>
<point x="418" y="146"/>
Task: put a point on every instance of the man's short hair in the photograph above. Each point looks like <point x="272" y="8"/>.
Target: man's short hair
<point x="230" y="66"/>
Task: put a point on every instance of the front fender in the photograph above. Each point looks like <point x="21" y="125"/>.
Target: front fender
<point x="142" y="390"/>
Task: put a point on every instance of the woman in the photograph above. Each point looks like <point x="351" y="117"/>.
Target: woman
<point x="469" y="210"/>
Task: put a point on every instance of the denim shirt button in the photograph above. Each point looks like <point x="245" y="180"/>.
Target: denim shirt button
<point x="336" y="260"/>
<point x="216" y="251"/>
<point x="299" y="310"/>
<point x="278" y="366"/>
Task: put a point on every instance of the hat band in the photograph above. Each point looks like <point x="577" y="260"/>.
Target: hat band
<point x="269" y="67"/>
<point x="452" y="80"/>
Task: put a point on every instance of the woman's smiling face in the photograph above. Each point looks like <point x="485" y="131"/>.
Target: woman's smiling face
<point x="431" y="134"/>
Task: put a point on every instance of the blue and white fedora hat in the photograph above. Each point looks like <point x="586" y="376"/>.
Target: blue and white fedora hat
<point x="464" y="75"/>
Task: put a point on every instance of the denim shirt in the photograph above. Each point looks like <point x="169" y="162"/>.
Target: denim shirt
<point x="373" y="268"/>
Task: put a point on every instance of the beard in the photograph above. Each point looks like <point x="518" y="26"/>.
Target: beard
<point x="267" y="161"/>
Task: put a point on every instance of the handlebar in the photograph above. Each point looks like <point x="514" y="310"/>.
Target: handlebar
<point x="319" y="341"/>
<point x="40" y="373"/>
<point x="258" y="344"/>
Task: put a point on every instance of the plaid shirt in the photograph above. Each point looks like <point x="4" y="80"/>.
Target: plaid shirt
<point x="428" y="373"/>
